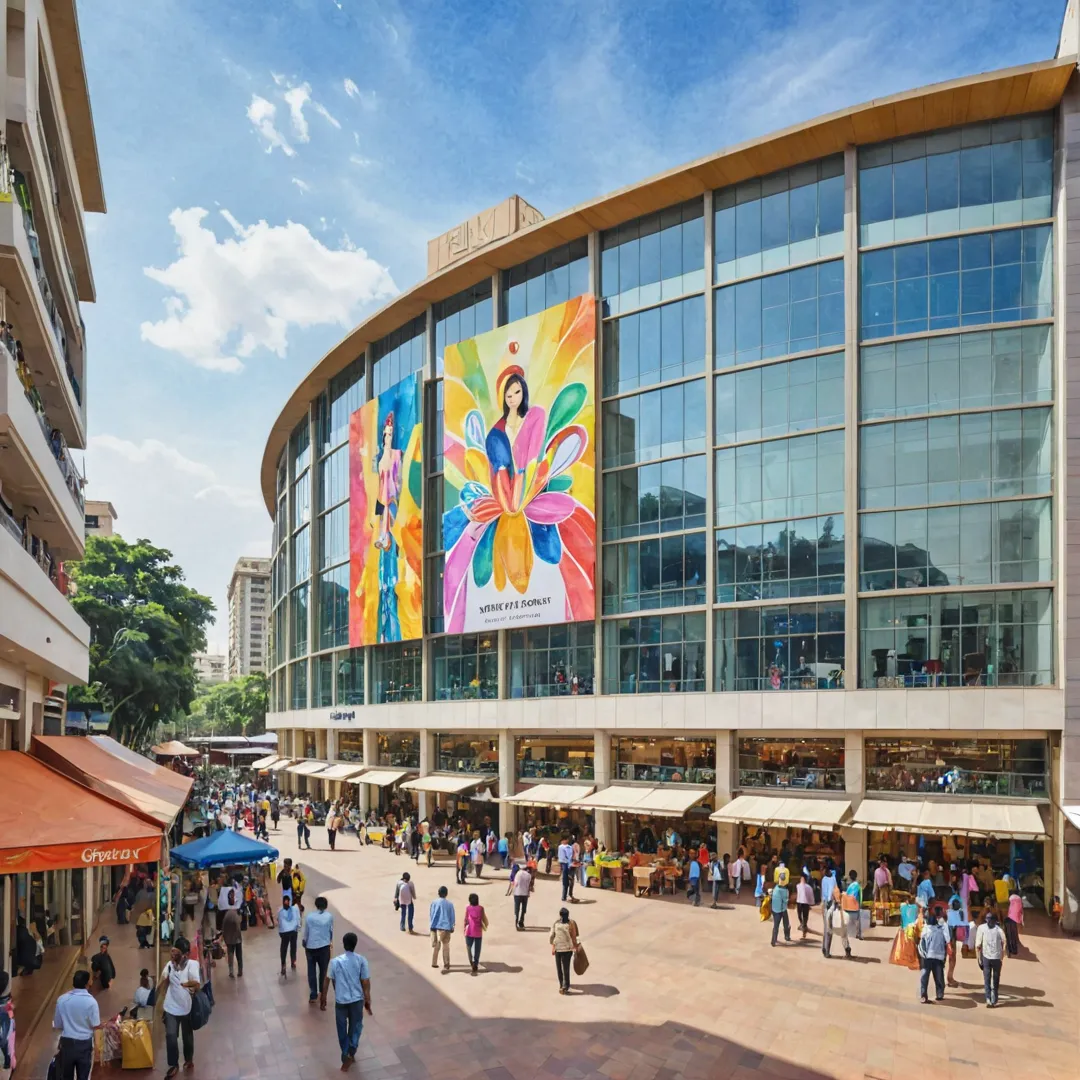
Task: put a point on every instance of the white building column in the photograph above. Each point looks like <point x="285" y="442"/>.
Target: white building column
<point x="427" y="759"/>
<point x="507" y="782"/>
<point x="855" y="840"/>
<point x="371" y="759"/>
<point x="727" y="834"/>
<point x="606" y="831"/>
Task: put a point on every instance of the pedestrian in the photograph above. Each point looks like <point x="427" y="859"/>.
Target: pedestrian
<point x="1014" y="919"/>
<point x="476" y="851"/>
<point x="331" y="828"/>
<point x="804" y="901"/>
<point x="284" y="879"/>
<point x="144" y="997"/>
<point x="882" y="882"/>
<point x="234" y="940"/>
<point x="693" y="883"/>
<point x="462" y="861"/>
<point x="566" y="867"/>
<point x="564" y="943"/>
<point x="779" y="905"/>
<point x="405" y="901"/>
<point x="275" y="812"/>
<point x="300" y="827"/>
<point x="299" y="883"/>
<point x="924" y="894"/>
<point x="522" y="886"/>
<point x="317" y="938"/>
<point x="933" y="949"/>
<point x="546" y="852"/>
<point x="476" y="922"/>
<point x="759" y="883"/>
<point x="852" y="903"/>
<point x="954" y="918"/>
<point x="741" y="871"/>
<point x="831" y="911"/>
<point x="101" y="966"/>
<point x="183" y="979"/>
<point x="990" y="946"/>
<point x="288" y="923"/>
<point x="414" y="844"/>
<point x="7" y="1028"/>
<point x="144" y="927"/>
<point x="351" y="976"/>
<point x="442" y="920"/>
<point x="716" y="877"/>
<point x="76" y="1016"/>
<point x="503" y="851"/>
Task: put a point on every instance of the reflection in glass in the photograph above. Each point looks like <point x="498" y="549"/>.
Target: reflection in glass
<point x="555" y="757"/>
<point x="298" y="674"/>
<point x="552" y="661"/>
<point x="654" y="346"/>
<point x="459" y="753"/>
<point x="667" y="496"/>
<point x="662" y="573"/>
<point x="398" y="354"/>
<point x="658" y="423"/>
<point x="654" y="654"/>
<point x="465" y="666"/>
<point x="399" y="750"/>
<point x="461" y="317"/>
<point x="795" y="764"/>
<point x="552" y="278"/>
<point x="350" y="679"/>
<point x="664" y="761"/>
<point x="397" y="672"/>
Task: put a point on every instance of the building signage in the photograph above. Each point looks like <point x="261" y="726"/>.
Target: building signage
<point x="342" y="714"/>
<point x="71" y="856"/>
<point x="519" y="529"/>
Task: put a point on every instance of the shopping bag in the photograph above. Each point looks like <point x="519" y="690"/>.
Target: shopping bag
<point x="138" y="1046"/>
<point x="904" y="953"/>
<point x="581" y="961"/>
<point x="765" y="909"/>
<point x="107" y="1042"/>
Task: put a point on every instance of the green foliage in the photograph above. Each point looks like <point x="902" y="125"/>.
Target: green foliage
<point x="145" y="624"/>
<point x="237" y="707"/>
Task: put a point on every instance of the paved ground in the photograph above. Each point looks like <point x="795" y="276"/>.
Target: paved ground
<point x="671" y="992"/>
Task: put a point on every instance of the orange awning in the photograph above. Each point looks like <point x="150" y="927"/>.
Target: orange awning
<point x="107" y="767"/>
<point x="49" y="822"/>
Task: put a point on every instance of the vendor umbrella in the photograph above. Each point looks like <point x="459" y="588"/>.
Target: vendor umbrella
<point x="174" y="749"/>
<point x="224" y="848"/>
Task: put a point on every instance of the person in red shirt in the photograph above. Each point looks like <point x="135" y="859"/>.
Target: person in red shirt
<point x="703" y="857"/>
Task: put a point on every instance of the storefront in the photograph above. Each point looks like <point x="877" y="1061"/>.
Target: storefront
<point x="647" y="816"/>
<point x="458" y="797"/>
<point x="384" y="791"/>
<point x="350" y="746"/>
<point x="550" y="806"/>
<point x="336" y="781"/>
<point x="305" y="774"/>
<point x="791" y="763"/>
<point x="555" y="757"/>
<point x="399" y="750"/>
<point x="664" y="760"/>
<point x="464" y="754"/>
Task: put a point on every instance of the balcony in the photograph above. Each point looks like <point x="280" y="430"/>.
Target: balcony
<point x="541" y="769"/>
<point x="938" y="781"/>
<point x="665" y="774"/>
<point x="803" y="778"/>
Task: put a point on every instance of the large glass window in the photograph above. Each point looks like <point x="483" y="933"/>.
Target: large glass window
<point x="334" y="607"/>
<point x="460" y="753"/>
<point x="350" y="677"/>
<point x="397" y="672"/>
<point x="298" y="620"/>
<point x="310" y="744"/>
<point x="775" y="399"/>
<point x="957" y="639"/>
<point x="667" y="496"/>
<point x="952" y="458"/>
<point x="334" y="536"/>
<point x="795" y="764"/>
<point x="789" y="217"/>
<point x="960" y="281"/>
<point x="671" y="761"/>
<point x="322" y="681"/>
<point x="298" y="672"/>
<point x="350" y="746"/>
<point x="555" y="757"/>
<point x="301" y="500"/>
<point x="792" y="647"/>
<point x="658" y="423"/>
<point x="653" y="258"/>
<point x="301" y="556"/>
<point x="300" y="447"/>
<point x="552" y="661"/>
<point x="780" y="560"/>
<point x="999" y="767"/>
<point x="784" y="478"/>
<point x="967" y="178"/>
<point x="465" y="666"/>
<point x="399" y="750"/>
<point x="654" y="654"/>
<point x="334" y="478"/>
<point x="552" y="278"/>
<point x="344" y="396"/>
<point x="796" y="311"/>
<point x="433" y="593"/>
<point x="654" y="346"/>
<point x="398" y="354"/>
<point x="974" y="544"/>
<point x="958" y="371"/>
<point x="659" y="573"/>
<point x="461" y="317"/>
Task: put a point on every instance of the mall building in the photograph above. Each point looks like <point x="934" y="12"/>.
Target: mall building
<point x="833" y="448"/>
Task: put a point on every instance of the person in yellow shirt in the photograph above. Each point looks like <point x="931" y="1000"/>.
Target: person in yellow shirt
<point x="144" y="927"/>
<point x="299" y="884"/>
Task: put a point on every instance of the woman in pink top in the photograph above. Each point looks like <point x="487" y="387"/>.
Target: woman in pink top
<point x="475" y="925"/>
<point x="1013" y="921"/>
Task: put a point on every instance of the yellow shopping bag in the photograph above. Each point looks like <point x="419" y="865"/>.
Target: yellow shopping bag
<point x="766" y="908"/>
<point x="136" y="1045"/>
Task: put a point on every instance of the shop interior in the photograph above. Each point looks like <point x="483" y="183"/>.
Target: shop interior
<point x="399" y="750"/>
<point x="795" y="764"/>
<point x="555" y="757"/>
<point x="350" y="746"/>
<point x="664" y="760"/>
<point x="458" y="753"/>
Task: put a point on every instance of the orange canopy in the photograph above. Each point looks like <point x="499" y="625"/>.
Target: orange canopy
<point x="174" y="749"/>
<point x="48" y="822"/>
<point x="105" y="766"/>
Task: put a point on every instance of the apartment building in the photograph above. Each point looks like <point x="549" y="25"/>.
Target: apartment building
<point x="249" y="600"/>
<point x="100" y="518"/>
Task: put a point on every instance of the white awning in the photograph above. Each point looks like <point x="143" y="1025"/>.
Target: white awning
<point x="784" y="811"/>
<point x="341" y="771"/>
<point x="282" y="763"/>
<point x="306" y="768"/>
<point x="959" y="817"/>
<point x="448" y="783"/>
<point x="554" y="795"/>
<point x="264" y="762"/>
<point x="381" y="777"/>
<point x="1073" y="814"/>
<point x="658" y="801"/>
<point x="618" y="797"/>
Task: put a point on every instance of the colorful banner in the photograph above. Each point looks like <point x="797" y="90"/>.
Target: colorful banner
<point x="386" y="538"/>
<point x="519" y="527"/>
<point x="71" y="856"/>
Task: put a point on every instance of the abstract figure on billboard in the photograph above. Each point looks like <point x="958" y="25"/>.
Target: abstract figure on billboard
<point x="519" y="527"/>
<point x="386" y="542"/>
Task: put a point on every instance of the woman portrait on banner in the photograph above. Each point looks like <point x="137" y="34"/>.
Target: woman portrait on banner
<point x="388" y="466"/>
<point x="514" y="391"/>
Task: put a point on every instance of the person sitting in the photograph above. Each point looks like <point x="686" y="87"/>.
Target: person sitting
<point x="101" y="966"/>
<point x="144" y="927"/>
<point x="145" y="995"/>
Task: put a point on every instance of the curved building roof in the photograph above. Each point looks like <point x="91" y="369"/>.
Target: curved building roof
<point x="1008" y="92"/>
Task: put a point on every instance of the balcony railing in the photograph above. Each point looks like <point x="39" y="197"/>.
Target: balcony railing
<point x="1014" y="785"/>
<point x="665" y="774"/>
<point x="35" y="548"/>
<point x="449" y="763"/>
<point x="803" y="778"/>
<point x="400" y="761"/>
<point x="529" y="769"/>
<point x="9" y="524"/>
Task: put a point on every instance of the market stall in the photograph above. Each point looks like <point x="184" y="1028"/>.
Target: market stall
<point x="551" y="806"/>
<point x="648" y="816"/>
<point x="307" y="771"/>
<point x="457" y="795"/>
<point x="386" y="781"/>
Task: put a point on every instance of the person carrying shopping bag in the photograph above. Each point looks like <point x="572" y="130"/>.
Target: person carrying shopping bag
<point x="564" y="943"/>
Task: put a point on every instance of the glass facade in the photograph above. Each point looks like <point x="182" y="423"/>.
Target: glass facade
<point x="350" y="677"/>
<point x="544" y="281"/>
<point x="465" y="666"/>
<point x="552" y="661"/>
<point x="673" y="761"/>
<point x="400" y="751"/>
<point x="654" y="654"/>
<point x="398" y="354"/>
<point x="459" y="753"/>
<point x="350" y="746"/>
<point x="555" y="757"/>
<point x="462" y="316"/>
<point x="396" y="672"/>
<point x="795" y="764"/>
<point x="655" y="345"/>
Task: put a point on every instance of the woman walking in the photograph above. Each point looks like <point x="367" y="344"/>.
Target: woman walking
<point x="564" y="943"/>
<point x="476" y="922"/>
<point x="1013" y="921"/>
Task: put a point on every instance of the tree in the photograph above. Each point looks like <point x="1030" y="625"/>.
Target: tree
<point x="145" y="626"/>
<point x="237" y="707"/>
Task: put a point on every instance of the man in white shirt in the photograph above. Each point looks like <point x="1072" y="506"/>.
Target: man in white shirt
<point x="76" y="1016"/>
<point x="990" y="952"/>
<point x="182" y="978"/>
<point x="522" y="887"/>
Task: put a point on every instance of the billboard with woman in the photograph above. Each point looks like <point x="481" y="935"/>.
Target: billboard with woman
<point x="519" y="526"/>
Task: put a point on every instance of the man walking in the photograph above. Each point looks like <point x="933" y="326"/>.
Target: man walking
<point x="405" y="899"/>
<point x="351" y="976"/>
<point x="830" y="905"/>
<point x="566" y="864"/>
<point x="76" y="1015"/>
<point x="275" y="812"/>
<point x="779" y="903"/>
<point x="288" y="923"/>
<point x="933" y="948"/>
<point x="317" y="938"/>
<point x="523" y="883"/>
<point x="693" y="887"/>
<point x="990" y="944"/>
<point x="234" y="940"/>
<point x="284" y="879"/>
<point x="442" y="922"/>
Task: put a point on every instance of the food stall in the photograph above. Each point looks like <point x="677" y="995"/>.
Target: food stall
<point x="550" y="805"/>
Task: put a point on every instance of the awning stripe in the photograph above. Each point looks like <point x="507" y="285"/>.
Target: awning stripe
<point x="381" y="777"/>
<point x="554" y="795"/>
<point x="658" y="801"/>
<point x="960" y="817"/>
<point x="448" y="783"/>
<point x="784" y="811"/>
<point x="307" y="768"/>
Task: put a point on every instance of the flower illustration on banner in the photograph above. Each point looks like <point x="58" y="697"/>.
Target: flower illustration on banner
<point x="521" y="499"/>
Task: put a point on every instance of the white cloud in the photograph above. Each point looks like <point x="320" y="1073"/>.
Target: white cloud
<point x="261" y="113"/>
<point x="324" y="112"/>
<point x="303" y="185"/>
<point x="351" y="88"/>
<point x="369" y="99"/>
<point x="151" y="450"/>
<point x="234" y="296"/>
<point x="242" y="497"/>
<point x="363" y="162"/>
<point x="296" y="98"/>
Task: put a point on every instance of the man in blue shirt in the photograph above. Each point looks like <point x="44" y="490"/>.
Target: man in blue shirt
<point x="76" y="1016"/>
<point x="351" y="977"/>
<point x="924" y="895"/>
<point x="317" y="938"/>
<point x="442" y="922"/>
<point x="288" y="923"/>
<point x="566" y="862"/>
<point x="504" y="852"/>
<point x="693" y="887"/>
<point x="779" y="905"/>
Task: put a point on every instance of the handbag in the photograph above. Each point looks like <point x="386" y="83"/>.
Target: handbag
<point x="849" y="902"/>
<point x="765" y="910"/>
<point x="581" y="960"/>
<point x="137" y="1045"/>
<point x="200" y="1010"/>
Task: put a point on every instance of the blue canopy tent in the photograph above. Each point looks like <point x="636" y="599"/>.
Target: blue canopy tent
<point x="223" y="848"/>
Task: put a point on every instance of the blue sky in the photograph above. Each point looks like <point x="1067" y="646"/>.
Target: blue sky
<point x="328" y="140"/>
